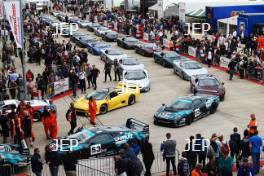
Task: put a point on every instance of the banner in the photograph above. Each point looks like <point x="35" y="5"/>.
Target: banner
<point x="145" y="36"/>
<point x="1" y="10"/>
<point x="192" y="51"/>
<point x="61" y="86"/>
<point x="12" y="11"/>
<point x="224" y="61"/>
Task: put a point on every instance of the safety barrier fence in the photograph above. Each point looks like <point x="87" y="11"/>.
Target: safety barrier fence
<point x="105" y="166"/>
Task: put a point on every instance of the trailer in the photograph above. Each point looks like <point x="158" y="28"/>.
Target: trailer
<point x="250" y="23"/>
<point x="214" y="13"/>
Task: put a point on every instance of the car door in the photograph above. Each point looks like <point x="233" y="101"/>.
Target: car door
<point x="199" y="108"/>
<point x="101" y="145"/>
<point x="115" y="100"/>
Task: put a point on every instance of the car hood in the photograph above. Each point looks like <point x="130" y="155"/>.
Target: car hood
<point x="177" y="115"/>
<point x="133" y="67"/>
<point x="13" y="157"/>
<point x="192" y="72"/>
<point x="81" y="103"/>
<point x="142" y="83"/>
<point x="118" y="57"/>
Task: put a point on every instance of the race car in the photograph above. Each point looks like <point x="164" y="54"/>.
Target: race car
<point x="97" y="48"/>
<point x="186" y="69"/>
<point x="83" y="23"/>
<point x="84" y="41"/>
<point x="185" y="110"/>
<point x="127" y="42"/>
<point x="111" y="54"/>
<point x="146" y="49"/>
<point x="92" y="26"/>
<point x="107" y="100"/>
<point x="15" y="155"/>
<point x="207" y="84"/>
<point x="99" y="31"/>
<point x="130" y="63"/>
<point x="110" y="36"/>
<point x="75" y="36"/>
<point x="135" y="79"/>
<point x="100" y="141"/>
<point x="37" y="106"/>
<point x="166" y="58"/>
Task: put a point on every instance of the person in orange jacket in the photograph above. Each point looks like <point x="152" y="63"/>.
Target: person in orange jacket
<point x="92" y="110"/>
<point x="252" y="125"/>
<point x="197" y="171"/>
<point x="49" y="121"/>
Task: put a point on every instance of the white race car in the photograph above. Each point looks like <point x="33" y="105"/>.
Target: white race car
<point x="138" y="78"/>
<point x="187" y="69"/>
<point x="36" y="105"/>
<point x="130" y="63"/>
<point x="111" y="54"/>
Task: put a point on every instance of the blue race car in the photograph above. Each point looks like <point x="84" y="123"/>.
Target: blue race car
<point x="15" y="155"/>
<point x="96" y="48"/>
<point x="185" y="110"/>
<point x="100" y="141"/>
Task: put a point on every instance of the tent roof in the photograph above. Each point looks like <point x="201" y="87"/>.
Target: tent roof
<point x="199" y="13"/>
<point x="231" y="20"/>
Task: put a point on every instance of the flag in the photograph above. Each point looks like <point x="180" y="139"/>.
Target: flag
<point x="1" y="10"/>
<point x="12" y="11"/>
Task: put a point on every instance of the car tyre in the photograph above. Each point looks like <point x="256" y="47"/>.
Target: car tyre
<point x="156" y="122"/>
<point x="189" y="120"/>
<point x="131" y="100"/>
<point x="36" y="116"/>
<point x="222" y="98"/>
<point x="183" y="76"/>
<point x="103" y="109"/>
<point x="213" y="108"/>
<point x="163" y="63"/>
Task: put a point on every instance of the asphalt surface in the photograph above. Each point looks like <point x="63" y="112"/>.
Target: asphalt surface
<point x="242" y="99"/>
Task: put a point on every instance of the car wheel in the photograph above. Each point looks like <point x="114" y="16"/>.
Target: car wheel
<point x="213" y="108"/>
<point x="183" y="76"/>
<point x="156" y="122"/>
<point x="103" y="109"/>
<point x="36" y="116"/>
<point x="222" y="97"/>
<point x="131" y="100"/>
<point x="189" y="120"/>
<point x="163" y="63"/>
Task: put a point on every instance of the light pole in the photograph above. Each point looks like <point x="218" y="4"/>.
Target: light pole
<point x="22" y="55"/>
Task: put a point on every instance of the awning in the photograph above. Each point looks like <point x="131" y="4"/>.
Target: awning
<point x="231" y="21"/>
<point x="200" y="13"/>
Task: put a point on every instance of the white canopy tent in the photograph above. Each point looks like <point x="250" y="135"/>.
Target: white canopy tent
<point x="227" y="25"/>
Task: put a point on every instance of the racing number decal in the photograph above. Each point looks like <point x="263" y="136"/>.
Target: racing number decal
<point x="197" y="112"/>
<point x="95" y="149"/>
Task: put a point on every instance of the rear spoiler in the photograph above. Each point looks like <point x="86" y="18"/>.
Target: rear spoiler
<point x="137" y="125"/>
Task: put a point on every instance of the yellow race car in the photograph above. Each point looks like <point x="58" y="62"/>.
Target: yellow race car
<point x="107" y="100"/>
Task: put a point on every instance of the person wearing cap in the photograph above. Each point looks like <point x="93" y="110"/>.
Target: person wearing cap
<point x="245" y="169"/>
<point x="252" y="125"/>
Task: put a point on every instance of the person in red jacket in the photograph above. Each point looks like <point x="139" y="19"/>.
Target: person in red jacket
<point x="54" y="125"/>
<point x="92" y="110"/>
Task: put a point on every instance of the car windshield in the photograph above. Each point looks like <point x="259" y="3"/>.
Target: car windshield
<point x="114" y="52"/>
<point x="180" y="104"/>
<point x="135" y="75"/>
<point x="172" y="55"/>
<point x="82" y="136"/>
<point x="103" y="29"/>
<point x="101" y="45"/>
<point x="149" y="46"/>
<point x="208" y="82"/>
<point x="130" y="62"/>
<point x="84" y="21"/>
<point x="131" y="39"/>
<point x="192" y="65"/>
<point x="98" y="95"/>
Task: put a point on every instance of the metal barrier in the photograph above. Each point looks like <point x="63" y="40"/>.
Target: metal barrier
<point x="105" y="166"/>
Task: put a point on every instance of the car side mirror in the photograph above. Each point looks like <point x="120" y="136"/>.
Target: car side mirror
<point x="163" y="104"/>
<point x="106" y="52"/>
<point x="223" y="83"/>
